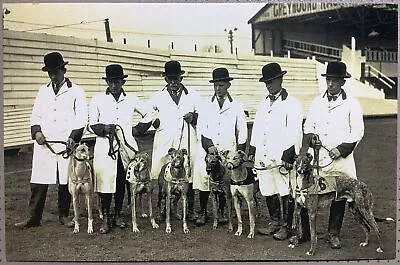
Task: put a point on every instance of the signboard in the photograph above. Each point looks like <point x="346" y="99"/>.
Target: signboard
<point x="286" y="10"/>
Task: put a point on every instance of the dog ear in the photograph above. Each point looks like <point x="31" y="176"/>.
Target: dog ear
<point x="225" y="153"/>
<point x="243" y="154"/>
<point x="171" y="151"/>
<point x="184" y="151"/>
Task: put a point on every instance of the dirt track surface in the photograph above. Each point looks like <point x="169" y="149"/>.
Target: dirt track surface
<point x="376" y="166"/>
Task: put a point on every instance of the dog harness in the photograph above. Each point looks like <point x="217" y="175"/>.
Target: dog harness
<point x="250" y="179"/>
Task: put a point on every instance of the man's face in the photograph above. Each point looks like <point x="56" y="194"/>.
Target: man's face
<point x="174" y="82"/>
<point x="57" y="75"/>
<point x="334" y="84"/>
<point x="274" y="85"/>
<point x="221" y="88"/>
<point x="115" y="85"/>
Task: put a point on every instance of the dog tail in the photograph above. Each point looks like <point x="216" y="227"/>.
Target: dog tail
<point x="378" y="219"/>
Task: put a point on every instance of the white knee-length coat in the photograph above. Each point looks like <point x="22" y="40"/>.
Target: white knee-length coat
<point x="336" y="122"/>
<point x="104" y="109"/>
<point x="173" y="130"/>
<point x="57" y="115"/>
<point x="225" y="126"/>
<point x="276" y="128"/>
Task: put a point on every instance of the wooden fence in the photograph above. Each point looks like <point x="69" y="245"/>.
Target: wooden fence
<point x="23" y="59"/>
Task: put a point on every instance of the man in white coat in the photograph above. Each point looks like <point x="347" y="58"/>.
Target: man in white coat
<point x="59" y="114"/>
<point x="337" y="119"/>
<point x="222" y="125"/>
<point x="174" y="112"/>
<point x="107" y="110"/>
<point x="276" y="135"/>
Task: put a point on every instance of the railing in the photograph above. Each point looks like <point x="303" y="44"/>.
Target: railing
<point x="312" y="48"/>
<point x="380" y="56"/>
<point x="369" y="72"/>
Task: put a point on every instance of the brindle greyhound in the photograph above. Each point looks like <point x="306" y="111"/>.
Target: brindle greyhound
<point x="80" y="180"/>
<point x="356" y="192"/>
<point x="138" y="175"/>
<point x="173" y="180"/>
<point x="242" y="183"/>
<point x="219" y="187"/>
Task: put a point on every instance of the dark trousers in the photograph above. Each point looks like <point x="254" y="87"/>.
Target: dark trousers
<point x="120" y="186"/>
<point x="336" y="214"/>
<point x="38" y="199"/>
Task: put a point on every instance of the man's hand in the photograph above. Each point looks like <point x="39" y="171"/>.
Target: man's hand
<point x="334" y="153"/>
<point x="70" y="144"/>
<point x="188" y="117"/>
<point x="109" y="129"/>
<point x="250" y="158"/>
<point x="40" y="139"/>
<point x="287" y="165"/>
<point x="212" y="150"/>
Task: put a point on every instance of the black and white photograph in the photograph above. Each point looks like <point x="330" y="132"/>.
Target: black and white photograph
<point x="200" y="132"/>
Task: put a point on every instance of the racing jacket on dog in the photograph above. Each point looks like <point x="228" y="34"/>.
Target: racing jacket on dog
<point x="336" y="123"/>
<point x="58" y="116"/>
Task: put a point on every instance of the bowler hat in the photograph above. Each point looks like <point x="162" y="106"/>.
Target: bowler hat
<point x="220" y="74"/>
<point x="336" y="69"/>
<point x="271" y="71"/>
<point x="52" y="61"/>
<point x="173" y="68"/>
<point x="114" y="71"/>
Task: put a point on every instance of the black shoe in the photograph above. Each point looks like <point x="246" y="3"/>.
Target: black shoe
<point x="27" y="223"/>
<point x="66" y="222"/>
<point x="119" y="221"/>
<point x="105" y="226"/>
<point x="282" y="234"/>
<point x="202" y="219"/>
<point x="270" y="229"/>
<point x="334" y="240"/>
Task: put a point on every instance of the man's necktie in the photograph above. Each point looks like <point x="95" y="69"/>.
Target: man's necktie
<point x="332" y="97"/>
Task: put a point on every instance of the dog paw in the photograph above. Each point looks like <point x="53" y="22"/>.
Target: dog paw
<point x="154" y="224"/>
<point x="186" y="230"/>
<point x="215" y="224"/>
<point x="90" y="230"/>
<point x="101" y="216"/>
<point x="168" y="230"/>
<point x="250" y="235"/>
<point x="379" y="250"/>
<point x="135" y="230"/>
<point x="310" y="252"/>
<point x="363" y="244"/>
<point x="291" y="246"/>
<point x="238" y="233"/>
<point x="143" y="215"/>
<point x="76" y="230"/>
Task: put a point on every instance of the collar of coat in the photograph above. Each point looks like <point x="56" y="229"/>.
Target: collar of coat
<point x="342" y="92"/>
<point x="66" y="80"/>
<point x="215" y="96"/>
<point x="122" y="91"/>
<point x="182" y="87"/>
<point x="283" y="94"/>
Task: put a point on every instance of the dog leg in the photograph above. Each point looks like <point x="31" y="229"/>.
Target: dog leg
<point x="313" y="226"/>
<point x="89" y="204"/>
<point x="141" y="206"/>
<point x="239" y="216"/>
<point x="229" y="202"/>
<point x="75" y="204"/>
<point x="168" y="209"/>
<point x="296" y="226"/>
<point x="152" y="220"/>
<point x="251" y="206"/>
<point x="101" y="216"/>
<point x="135" y="228"/>
<point x="215" y="209"/>
<point x="184" y="206"/>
